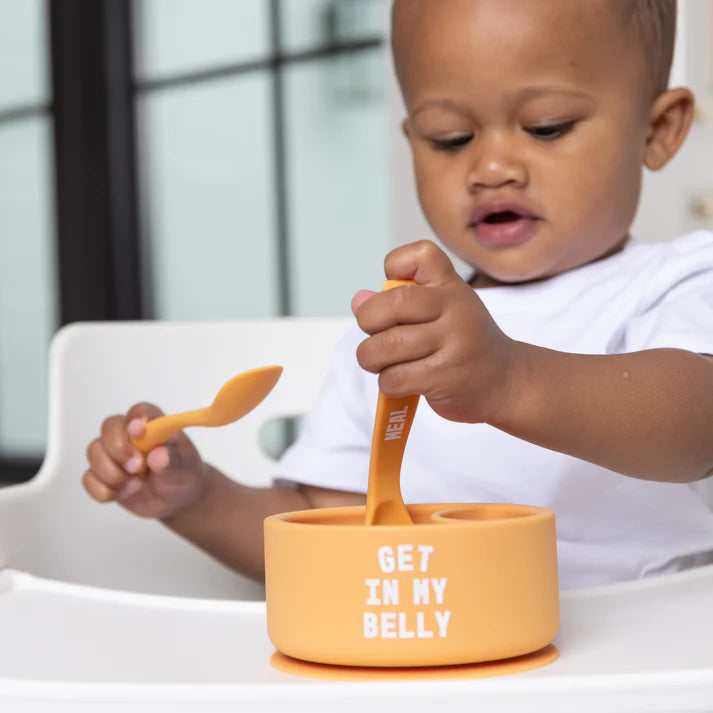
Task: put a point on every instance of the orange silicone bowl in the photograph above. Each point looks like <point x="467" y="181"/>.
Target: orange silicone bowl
<point x="463" y="584"/>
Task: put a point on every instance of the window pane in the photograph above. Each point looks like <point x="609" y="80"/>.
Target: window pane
<point x="337" y="161"/>
<point x="312" y="23"/>
<point x="23" y="53"/>
<point x="206" y="199"/>
<point x="175" y="36"/>
<point x="27" y="287"/>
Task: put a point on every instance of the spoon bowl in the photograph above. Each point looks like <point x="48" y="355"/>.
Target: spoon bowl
<point x="236" y="398"/>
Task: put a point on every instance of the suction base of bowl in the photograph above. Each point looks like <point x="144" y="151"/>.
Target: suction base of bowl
<point x="485" y="669"/>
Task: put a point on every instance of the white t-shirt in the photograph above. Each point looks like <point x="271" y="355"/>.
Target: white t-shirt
<point x="610" y="527"/>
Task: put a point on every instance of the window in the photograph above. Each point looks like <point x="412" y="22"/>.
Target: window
<point x="177" y="159"/>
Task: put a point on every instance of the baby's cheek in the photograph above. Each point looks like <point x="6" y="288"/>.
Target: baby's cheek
<point x="439" y="208"/>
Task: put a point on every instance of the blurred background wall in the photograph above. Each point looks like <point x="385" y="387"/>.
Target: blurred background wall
<point x="220" y="159"/>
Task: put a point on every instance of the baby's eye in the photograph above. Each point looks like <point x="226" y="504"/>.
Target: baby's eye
<point x="548" y="132"/>
<point x="451" y="143"/>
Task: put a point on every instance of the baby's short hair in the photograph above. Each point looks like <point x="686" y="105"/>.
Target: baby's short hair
<point x="655" y="21"/>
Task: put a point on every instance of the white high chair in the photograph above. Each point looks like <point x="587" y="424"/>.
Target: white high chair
<point x="51" y="528"/>
<point x="73" y="639"/>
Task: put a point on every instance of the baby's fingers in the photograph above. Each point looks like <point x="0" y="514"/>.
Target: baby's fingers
<point x="359" y="299"/>
<point x="401" y="344"/>
<point x="173" y="464"/>
<point x="422" y="261"/>
<point x="97" y="488"/>
<point x="115" y="443"/>
<point x="158" y="459"/>
<point x="103" y="492"/>
<point x="407" y="304"/>
<point x="104" y="468"/>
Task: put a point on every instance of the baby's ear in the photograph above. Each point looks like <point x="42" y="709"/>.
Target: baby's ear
<point x="669" y="121"/>
<point x="406" y="128"/>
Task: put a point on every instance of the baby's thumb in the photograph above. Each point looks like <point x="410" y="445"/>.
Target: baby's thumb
<point x="139" y="415"/>
<point x="177" y="453"/>
<point x="359" y="299"/>
<point x="135" y="422"/>
<point x="423" y="261"/>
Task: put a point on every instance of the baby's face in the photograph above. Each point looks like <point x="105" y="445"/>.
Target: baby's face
<point x="528" y="122"/>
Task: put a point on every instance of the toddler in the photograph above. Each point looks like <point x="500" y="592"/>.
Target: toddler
<point x="571" y="370"/>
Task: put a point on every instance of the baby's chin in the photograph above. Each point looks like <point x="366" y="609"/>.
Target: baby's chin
<point x="512" y="266"/>
<point x="523" y="268"/>
<point x="502" y="277"/>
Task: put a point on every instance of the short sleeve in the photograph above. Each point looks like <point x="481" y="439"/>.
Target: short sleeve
<point x="677" y="310"/>
<point x="334" y="442"/>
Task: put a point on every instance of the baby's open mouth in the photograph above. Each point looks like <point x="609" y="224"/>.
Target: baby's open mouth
<point x="505" y="216"/>
<point x="501" y="225"/>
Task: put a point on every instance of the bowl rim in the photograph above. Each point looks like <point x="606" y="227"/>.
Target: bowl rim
<point x="300" y="519"/>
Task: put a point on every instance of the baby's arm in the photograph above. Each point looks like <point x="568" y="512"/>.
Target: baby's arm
<point x="228" y="522"/>
<point x="646" y="414"/>
<point x="173" y="484"/>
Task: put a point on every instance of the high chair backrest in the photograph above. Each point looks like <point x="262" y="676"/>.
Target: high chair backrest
<point x="50" y="527"/>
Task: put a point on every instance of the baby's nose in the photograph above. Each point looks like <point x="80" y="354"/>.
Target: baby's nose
<point x="496" y="163"/>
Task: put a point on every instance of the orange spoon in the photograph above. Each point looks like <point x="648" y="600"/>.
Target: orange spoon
<point x="384" y="503"/>
<point x="237" y="397"/>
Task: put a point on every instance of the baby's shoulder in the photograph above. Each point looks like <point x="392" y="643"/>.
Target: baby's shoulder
<point x="695" y="248"/>
<point x="674" y="267"/>
<point x="689" y="254"/>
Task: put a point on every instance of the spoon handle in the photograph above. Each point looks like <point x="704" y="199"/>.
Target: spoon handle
<point x="160" y="429"/>
<point x="384" y="502"/>
<point x="394" y="416"/>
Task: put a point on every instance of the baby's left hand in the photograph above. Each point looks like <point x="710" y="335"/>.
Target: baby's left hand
<point x="435" y="338"/>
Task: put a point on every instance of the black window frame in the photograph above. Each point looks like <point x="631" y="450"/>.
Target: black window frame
<point x="97" y="227"/>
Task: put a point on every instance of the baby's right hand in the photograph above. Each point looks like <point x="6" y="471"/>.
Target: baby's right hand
<point x="157" y="484"/>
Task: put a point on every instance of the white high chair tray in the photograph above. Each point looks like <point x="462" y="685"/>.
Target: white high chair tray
<point x="639" y="646"/>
